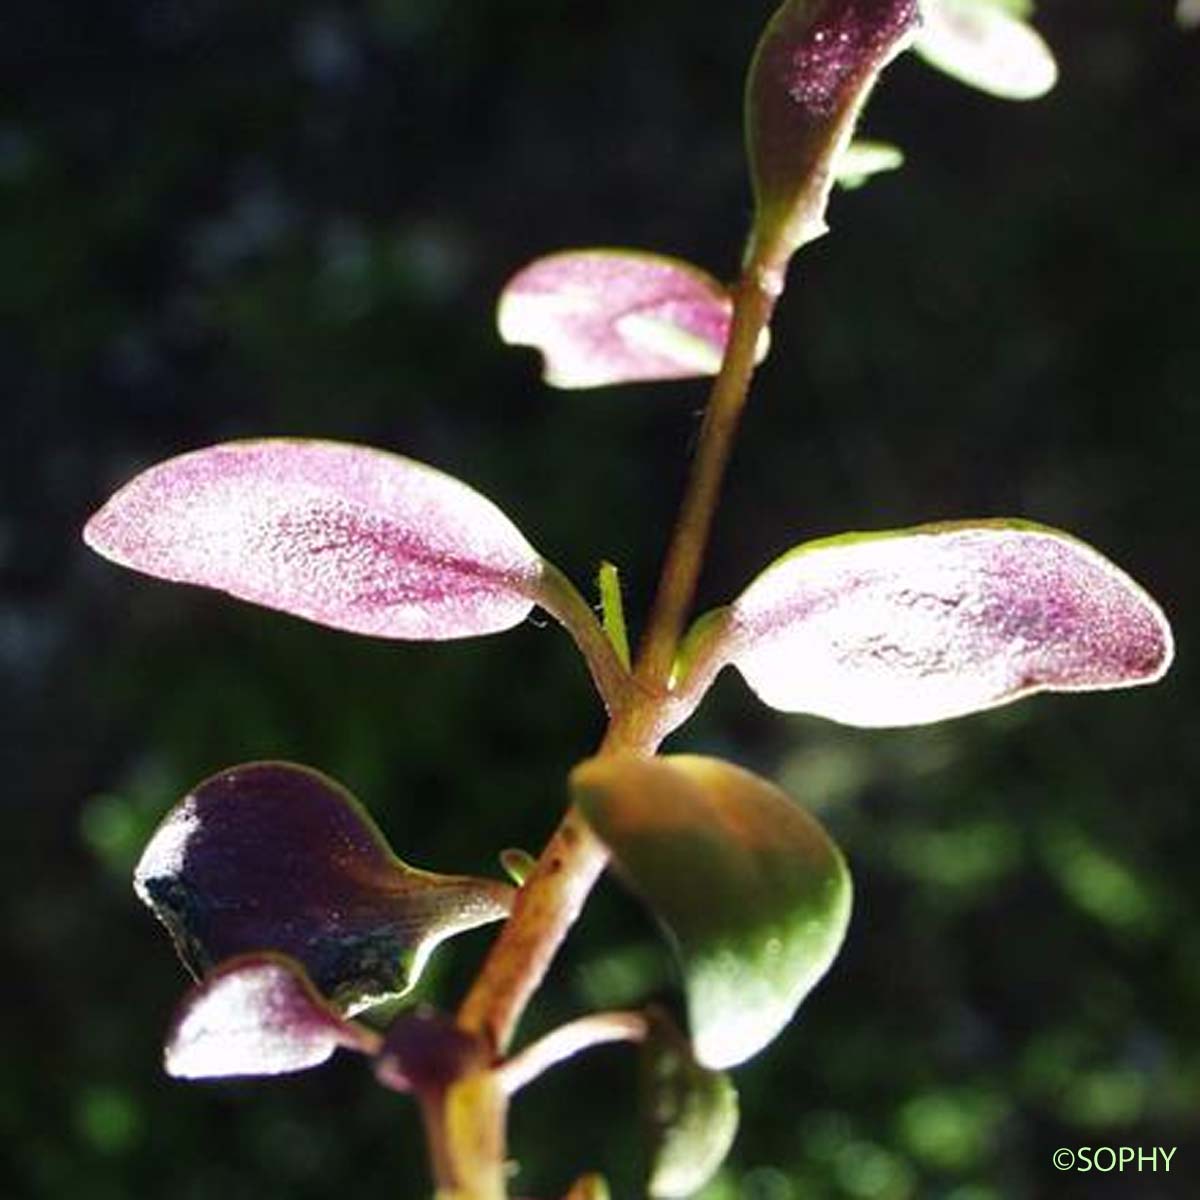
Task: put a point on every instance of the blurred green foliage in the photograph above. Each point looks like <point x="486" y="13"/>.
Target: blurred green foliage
<point x="222" y="219"/>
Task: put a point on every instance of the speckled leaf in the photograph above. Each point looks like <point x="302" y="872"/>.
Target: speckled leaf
<point x="981" y="44"/>
<point x="257" y="1014"/>
<point x="343" y="535"/>
<point x="272" y="856"/>
<point x="690" y="1114"/>
<point x="918" y="625"/>
<point x="750" y="889"/>
<point x="617" y="316"/>
<point x="814" y="66"/>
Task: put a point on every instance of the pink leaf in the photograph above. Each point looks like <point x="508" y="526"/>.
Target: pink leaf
<point x="343" y="535"/>
<point x="616" y="316"/>
<point x="919" y="625"/>
<point x="256" y="1015"/>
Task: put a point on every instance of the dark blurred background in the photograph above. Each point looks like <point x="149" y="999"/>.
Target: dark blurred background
<point x="224" y="219"/>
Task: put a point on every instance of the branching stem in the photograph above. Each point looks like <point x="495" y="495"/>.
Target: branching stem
<point x="642" y="711"/>
<point x="596" y="1029"/>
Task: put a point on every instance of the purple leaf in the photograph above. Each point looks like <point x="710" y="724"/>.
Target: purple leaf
<point x="343" y="535"/>
<point x="256" y="1015"/>
<point x="617" y="316"/>
<point x="815" y="65"/>
<point x="272" y="856"/>
<point x="918" y="625"/>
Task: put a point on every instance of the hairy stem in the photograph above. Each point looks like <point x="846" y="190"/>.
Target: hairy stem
<point x="546" y="907"/>
<point x="753" y="304"/>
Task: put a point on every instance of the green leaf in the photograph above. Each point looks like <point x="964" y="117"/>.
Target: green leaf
<point x="912" y="626"/>
<point x="986" y="46"/>
<point x="812" y="71"/>
<point x="612" y="609"/>
<point x="751" y="891"/>
<point x="862" y="159"/>
<point x="690" y="1113"/>
<point x="518" y="864"/>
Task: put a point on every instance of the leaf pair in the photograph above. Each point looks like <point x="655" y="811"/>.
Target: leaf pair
<point x="892" y="628"/>
<point x="608" y="316"/>
<point x="619" y="316"/>
<point x="276" y="858"/>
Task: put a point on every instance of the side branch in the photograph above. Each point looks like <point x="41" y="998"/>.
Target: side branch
<point x="546" y="908"/>
<point x="596" y="1029"/>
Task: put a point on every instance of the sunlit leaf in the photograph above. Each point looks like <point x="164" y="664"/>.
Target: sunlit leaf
<point x="922" y="624"/>
<point x="690" y="1113"/>
<point x="1187" y="13"/>
<point x="617" y="316"/>
<point x="862" y="159"/>
<point x="981" y="44"/>
<point x="814" y="66"/>
<point x="257" y="1014"/>
<point x="343" y="535"/>
<point x="750" y="889"/>
<point x="271" y="856"/>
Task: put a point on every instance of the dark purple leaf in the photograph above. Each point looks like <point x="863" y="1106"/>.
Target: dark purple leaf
<point x="272" y="856"/>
